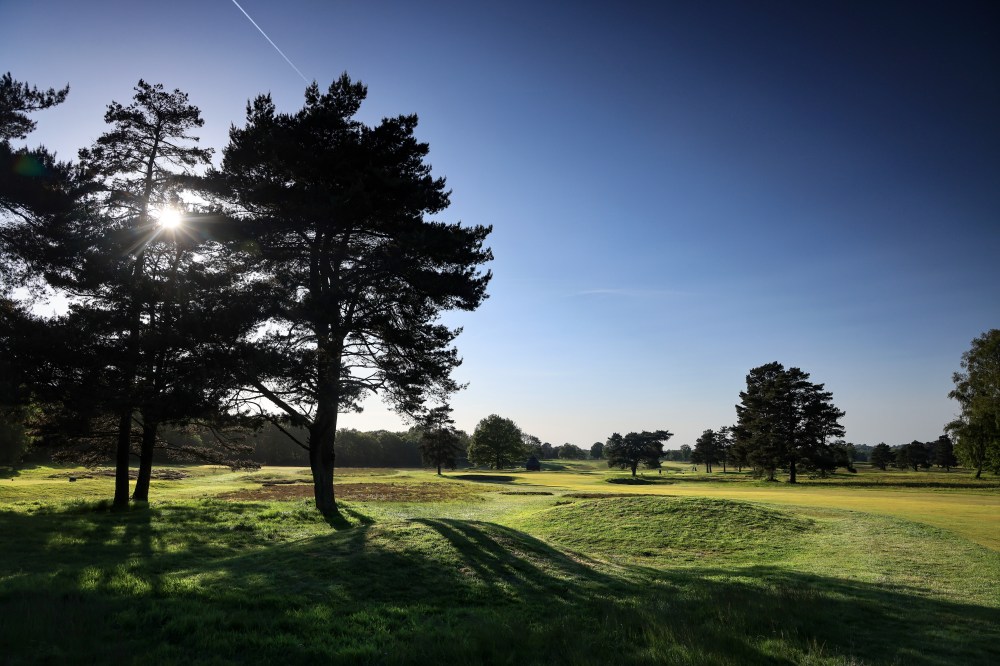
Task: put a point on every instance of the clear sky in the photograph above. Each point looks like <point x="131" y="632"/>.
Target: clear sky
<point x="679" y="191"/>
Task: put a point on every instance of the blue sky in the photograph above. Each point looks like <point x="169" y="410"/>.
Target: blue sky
<point x="679" y="191"/>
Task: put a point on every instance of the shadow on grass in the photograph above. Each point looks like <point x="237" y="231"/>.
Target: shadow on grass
<point x="483" y="478"/>
<point x="890" y="483"/>
<point x="9" y="473"/>
<point x="636" y="481"/>
<point x="237" y="582"/>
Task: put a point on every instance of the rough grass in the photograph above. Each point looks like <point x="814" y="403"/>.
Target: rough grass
<point x="678" y="529"/>
<point x="489" y="577"/>
<point x="364" y="492"/>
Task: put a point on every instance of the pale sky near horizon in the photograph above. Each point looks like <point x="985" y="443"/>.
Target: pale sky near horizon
<point x="679" y="191"/>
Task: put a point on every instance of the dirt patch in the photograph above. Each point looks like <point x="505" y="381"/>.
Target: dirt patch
<point x="157" y="474"/>
<point x="359" y="492"/>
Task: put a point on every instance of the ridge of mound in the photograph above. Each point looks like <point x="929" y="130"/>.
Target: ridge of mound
<point x="678" y="528"/>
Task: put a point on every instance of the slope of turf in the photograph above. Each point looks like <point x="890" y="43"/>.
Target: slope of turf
<point x="689" y="528"/>
<point x="218" y="582"/>
<point x="509" y="574"/>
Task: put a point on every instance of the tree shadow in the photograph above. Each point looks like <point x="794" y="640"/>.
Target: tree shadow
<point x="165" y="579"/>
<point x="482" y="478"/>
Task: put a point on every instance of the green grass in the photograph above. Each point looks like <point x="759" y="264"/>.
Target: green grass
<point x="684" y="575"/>
<point x="670" y="530"/>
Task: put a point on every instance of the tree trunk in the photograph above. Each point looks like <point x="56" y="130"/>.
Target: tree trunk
<point x="791" y="472"/>
<point x="634" y="468"/>
<point x="321" y="458"/>
<point x="979" y="471"/>
<point x="122" y="452"/>
<point x="439" y="469"/>
<point x="132" y="350"/>
<point x="141" y="493"/>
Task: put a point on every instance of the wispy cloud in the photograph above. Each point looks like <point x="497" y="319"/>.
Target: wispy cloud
<point x="633" y="293"/>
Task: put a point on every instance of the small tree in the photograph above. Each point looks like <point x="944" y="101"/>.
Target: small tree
<point x="913" y="456"/>
<point x="496" y="441"/>
<point x="440" y="444"/>
<point x="634" y="448"/>
<point x="597" y="450"/>
<point x="944" y="453"/>
<point x="706" y="450"/>
<point x="724" y="445"/>
<point x="882" y="456"/>
<point x="685" y="452"/>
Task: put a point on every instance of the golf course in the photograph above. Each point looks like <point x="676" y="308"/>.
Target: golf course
<point x="575" y="564"/>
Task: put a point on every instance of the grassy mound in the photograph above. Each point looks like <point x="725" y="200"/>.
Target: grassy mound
<point x="205" y="581"/>
<point x="676" y="528"/>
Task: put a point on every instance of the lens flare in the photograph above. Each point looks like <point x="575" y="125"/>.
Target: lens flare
<point x="169" y="218"/>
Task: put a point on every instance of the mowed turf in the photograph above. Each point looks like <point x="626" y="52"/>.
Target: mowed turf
<point x="556" y="567"/>
<point x="971" y="509"/>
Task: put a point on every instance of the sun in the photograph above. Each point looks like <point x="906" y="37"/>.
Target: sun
<point x="169" y="218"/>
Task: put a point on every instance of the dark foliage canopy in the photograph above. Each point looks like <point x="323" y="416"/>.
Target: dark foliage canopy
<point x="976" y="431"/>
<point x="498" y="442"/>
<point x="333" y="223"/>
<point x="784" y="421"/>
<point x="634" y="448"/>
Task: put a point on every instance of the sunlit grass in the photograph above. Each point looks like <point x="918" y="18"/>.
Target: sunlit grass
<point x="711" y="572"/>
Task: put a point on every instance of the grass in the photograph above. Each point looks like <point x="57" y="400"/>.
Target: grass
<point x="541" y="568"/>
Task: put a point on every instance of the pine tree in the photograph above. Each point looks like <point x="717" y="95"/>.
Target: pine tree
<point x="334" y="222"/>
<point x="785" y="421"/>
<point x="882" y="456"/>
<point x="706" y="450"/>
<point x="150" y="303"/>
<point x="634" y="448"/>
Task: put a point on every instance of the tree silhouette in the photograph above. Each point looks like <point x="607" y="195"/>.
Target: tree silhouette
<point x="976" y="431"/>
<point x="882" y="455"/>
<point x="706" y="450"/>
<point x="334" y="224"/>
<point x="440" y="444"/>
<point x="785" y="420"/>
<point x="943" y="453"/>
<point x="496" y="441"/>
<point x="34" y="186"/>
<point x="151" y="306"/>
<point x="634" y="448"/>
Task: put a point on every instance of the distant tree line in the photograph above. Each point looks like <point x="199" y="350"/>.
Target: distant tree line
<point x="916" y="455"/>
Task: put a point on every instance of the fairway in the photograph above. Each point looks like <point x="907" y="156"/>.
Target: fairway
<point x="561" y="566"/>
<point x="970" y="512"/>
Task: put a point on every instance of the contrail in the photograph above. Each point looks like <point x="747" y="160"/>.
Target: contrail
<point x="270" y="42"/>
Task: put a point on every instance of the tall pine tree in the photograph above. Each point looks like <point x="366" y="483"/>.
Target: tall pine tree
<point x="335" y="221"/>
